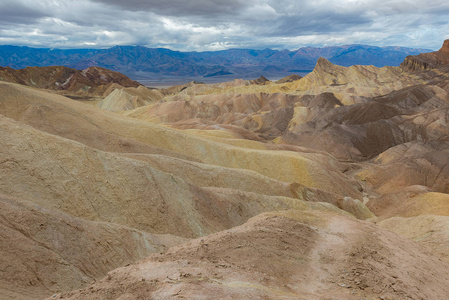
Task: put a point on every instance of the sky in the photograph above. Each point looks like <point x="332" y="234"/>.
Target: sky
<point x="204" y="25"/>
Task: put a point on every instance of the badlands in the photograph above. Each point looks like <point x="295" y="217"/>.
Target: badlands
<point x="330" y="186"/>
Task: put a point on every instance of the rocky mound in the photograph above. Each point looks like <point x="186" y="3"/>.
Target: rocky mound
<point x="260" y="81"/>
<point x="352" y="83"/>
<point x="265" y="114"/>
<point x="289" y="254"/>
<point x="129" y="98"/>
<point x="176" y="89"/>
<point x="289" y="78"/>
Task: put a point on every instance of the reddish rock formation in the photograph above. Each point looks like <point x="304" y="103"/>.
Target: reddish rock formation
<point x="93" y="80"/>
<point x="428" y="61"/>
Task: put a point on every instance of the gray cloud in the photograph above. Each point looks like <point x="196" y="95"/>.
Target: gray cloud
<point x="215" y="24"/>
<point x="204" y="8"/>
<point x="16" y="12"/>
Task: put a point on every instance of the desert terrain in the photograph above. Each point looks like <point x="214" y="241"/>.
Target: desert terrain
<point x="334" y="185"/>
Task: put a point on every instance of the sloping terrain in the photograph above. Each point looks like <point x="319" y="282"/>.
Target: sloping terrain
<point x="285" y="255"/>
<point x="88" y="166"/>
<point x="100" y="186"/>
<point x="129" y="98"/>
<point x="44" y="251"/>
<point x="330" y="186"/>
<point x="352" y="113"/>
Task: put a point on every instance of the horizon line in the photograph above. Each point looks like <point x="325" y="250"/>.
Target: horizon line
<point x="195" y="51"/>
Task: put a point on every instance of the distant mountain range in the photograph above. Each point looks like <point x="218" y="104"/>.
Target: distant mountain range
<point x="158" y="64"/>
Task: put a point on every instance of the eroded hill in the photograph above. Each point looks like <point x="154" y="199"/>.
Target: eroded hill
<point x="87" y="83"/>
<point x="333" y="185"/>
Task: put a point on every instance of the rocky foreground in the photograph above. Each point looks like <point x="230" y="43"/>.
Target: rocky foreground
<point x="331" y="186"/>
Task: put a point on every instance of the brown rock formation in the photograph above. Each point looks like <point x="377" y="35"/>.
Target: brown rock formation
<point x="260" y="81"/>
<point x="94" y="81"/>
<point x="438" y="60"/>
<point x="289" y="78"/>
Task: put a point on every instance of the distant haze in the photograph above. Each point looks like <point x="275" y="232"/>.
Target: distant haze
<point x="201" y="25"/>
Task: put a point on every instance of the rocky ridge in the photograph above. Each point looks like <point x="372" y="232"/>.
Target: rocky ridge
<point x="140" y="62"/>
<point x="93" y="81"/>
<point x="429" y="61"/>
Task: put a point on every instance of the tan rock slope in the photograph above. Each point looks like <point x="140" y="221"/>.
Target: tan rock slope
<point x="129" y="98"/>
<point x="104" y="186"/>
<point x="86" y="165"/>
<point x="45" y="251"/>
<point x="321" y="121"/>
<point x="109" y="132"/>
<point x="349" y="84"/>
<point x="331" y="186"/>
<point x="284" y="255"/>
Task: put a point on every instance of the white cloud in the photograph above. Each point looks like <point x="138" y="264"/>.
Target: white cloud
<point x="216" y="24"/>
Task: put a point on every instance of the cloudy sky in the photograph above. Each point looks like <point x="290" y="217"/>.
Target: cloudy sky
<point x="222" y="24"/>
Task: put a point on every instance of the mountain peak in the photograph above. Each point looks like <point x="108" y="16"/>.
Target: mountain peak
<point x="324" y="64"/>
<point x="261" y="80"/>
<point x="445" y="48"/>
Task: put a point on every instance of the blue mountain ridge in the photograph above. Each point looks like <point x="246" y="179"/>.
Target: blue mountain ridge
<point x="140" y="62"/>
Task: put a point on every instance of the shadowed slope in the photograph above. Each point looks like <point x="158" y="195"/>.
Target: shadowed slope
<point x="364" y="130"/>
<point x="45" y="251"/>
<point x="349" y="132"/>
<point x="415" y="163"/>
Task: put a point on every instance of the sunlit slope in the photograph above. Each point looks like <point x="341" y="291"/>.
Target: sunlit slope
<point x="349" y="84"/>
<point x="109" y="132"/>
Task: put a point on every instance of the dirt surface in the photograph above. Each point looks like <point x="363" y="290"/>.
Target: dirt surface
<point x="285" y="255"/>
